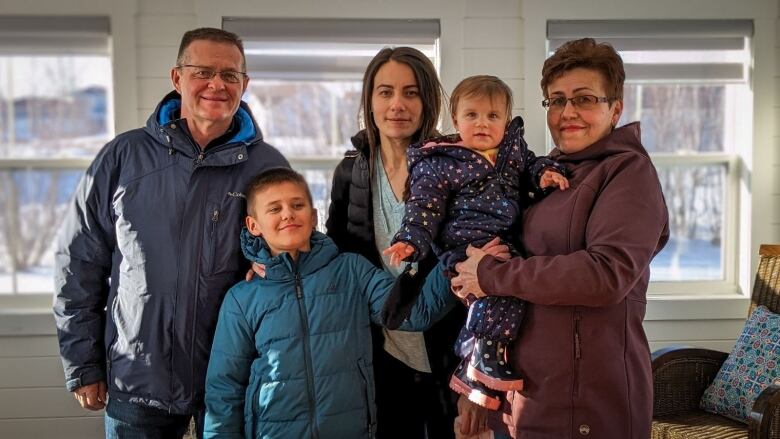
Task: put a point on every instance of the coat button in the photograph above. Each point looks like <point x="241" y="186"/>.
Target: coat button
<point x="241" y="156"/>
<point x="173" y="126"/>
<point x="584" y="429"/>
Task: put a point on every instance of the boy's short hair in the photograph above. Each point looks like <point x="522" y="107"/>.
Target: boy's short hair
<point x="271" y="177"/>
<point x="481" y="86"/>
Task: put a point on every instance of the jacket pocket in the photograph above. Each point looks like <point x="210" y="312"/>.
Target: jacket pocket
<point x="252" y="404"/>
<point x="221" y="251"/>
<point x="368" y="387"/>
<point x="210" y="250"/>
<point x="113" y="335"/>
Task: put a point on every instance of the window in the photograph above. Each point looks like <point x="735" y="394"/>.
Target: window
<point x="306" y="78"/>
<point x="55" y="114"/>
<point x="687" y="82"/>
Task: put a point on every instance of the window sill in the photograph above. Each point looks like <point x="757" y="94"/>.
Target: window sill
<point x="39" y="320"/>
<point x="697" y="307"/>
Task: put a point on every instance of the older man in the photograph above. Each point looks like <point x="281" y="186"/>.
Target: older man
<point x="151" y="244"/>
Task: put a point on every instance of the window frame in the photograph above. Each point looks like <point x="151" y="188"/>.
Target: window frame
<point x="728" y="285"/>
<point x="50" y="35"/>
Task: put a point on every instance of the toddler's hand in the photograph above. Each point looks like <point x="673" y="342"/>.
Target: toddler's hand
<point x="398" y="252"/>
<point x="553" y="178"/>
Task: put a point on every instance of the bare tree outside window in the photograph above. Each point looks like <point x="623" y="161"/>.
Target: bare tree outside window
<point x="309" y="118"/>
<point x="685" y="120"/>
<point x="311" y="122"/>
<point x="51" y="108"/>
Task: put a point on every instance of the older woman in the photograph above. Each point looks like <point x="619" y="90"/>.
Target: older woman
<point x="582" y="349"/>
<point x="400" y="104"/>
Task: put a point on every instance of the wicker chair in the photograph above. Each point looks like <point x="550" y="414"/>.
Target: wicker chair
<point x="680" y="376"/>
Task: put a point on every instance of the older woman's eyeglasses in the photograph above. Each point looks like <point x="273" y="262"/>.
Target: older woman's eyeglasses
<point x="206" y="73"/>
<point x="583" y="102"/>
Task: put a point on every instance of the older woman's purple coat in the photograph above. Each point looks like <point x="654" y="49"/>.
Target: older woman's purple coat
<point x="582" y="351"/>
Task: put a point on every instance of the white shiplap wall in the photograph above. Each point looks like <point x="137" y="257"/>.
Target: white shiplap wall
<point x="160" y="26"/>
<point x="491" y="36"/>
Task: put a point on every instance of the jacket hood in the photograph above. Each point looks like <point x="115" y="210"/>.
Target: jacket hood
<point x="323" y="250"/>
<point x="443" y="144"/>
<point x="166" y="113"/>
<point x="624" y="139"/>
<point x="360" y="142"/>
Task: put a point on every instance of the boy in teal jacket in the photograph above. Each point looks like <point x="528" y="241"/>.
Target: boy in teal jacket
<point x="291" y="356"/>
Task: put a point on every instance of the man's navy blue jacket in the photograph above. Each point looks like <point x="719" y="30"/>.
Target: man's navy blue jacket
<point x="149" y="247"/>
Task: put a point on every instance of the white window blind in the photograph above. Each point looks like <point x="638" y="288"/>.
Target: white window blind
<point x="709" y="50"/>
<point x="65" y="35"/>
<point x="325" y="48"/>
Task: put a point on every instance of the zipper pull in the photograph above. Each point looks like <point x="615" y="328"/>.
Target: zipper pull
<point x="577" y="352"/>
<point x="199" y="160"/>
<point x="215" y="216"/>
<point x="298" y="288"/>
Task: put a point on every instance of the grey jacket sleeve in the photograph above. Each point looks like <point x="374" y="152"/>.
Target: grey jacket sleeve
<point x="82" y="270"/>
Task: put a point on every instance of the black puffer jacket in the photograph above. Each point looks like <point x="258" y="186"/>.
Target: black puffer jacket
<point x="350" y="225"/>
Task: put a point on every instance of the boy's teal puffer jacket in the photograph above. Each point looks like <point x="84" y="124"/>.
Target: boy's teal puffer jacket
<point x="292" y="352"/>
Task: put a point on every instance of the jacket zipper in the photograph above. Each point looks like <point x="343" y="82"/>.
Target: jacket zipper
<point x="194" y="321"/>
<point x="199" y="273"/>
<point x="307" y="354"/>
<point x="199" y="160"/>
<point x="213" y="236"/>
<point x="215" y="217"/>
<point x="369" y="400"/>
<point x="577" y="354"/>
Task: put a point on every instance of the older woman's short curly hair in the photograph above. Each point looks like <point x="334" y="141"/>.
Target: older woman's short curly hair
<point x="587" y="54"/>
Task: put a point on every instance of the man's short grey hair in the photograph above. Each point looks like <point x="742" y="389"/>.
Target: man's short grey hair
<point x="209" y="34"/>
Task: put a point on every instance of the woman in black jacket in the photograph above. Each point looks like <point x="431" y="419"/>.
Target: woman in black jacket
<point x="400" y="104"/>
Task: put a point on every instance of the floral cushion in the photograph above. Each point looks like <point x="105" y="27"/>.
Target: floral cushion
<point x="751" y="366"/>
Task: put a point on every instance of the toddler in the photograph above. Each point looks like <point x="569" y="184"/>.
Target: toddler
<point x="467" y="189"/>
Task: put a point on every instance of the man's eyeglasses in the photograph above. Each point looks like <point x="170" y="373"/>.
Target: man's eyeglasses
<point x="201" y="72"/>
<point x="583" y="102"/>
